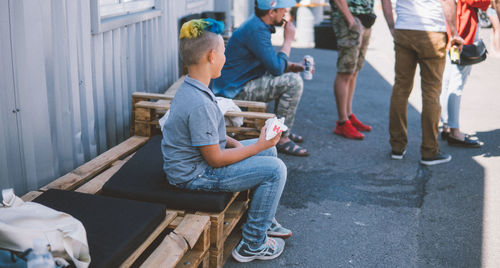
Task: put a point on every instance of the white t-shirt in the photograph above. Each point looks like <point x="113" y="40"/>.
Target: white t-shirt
<point x="420" y="15"/>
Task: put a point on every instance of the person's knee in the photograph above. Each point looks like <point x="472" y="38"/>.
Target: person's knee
<point x="273" y="151"/>
<point x="345" y="76"/>
<point x="294" y="82"/>
<point x="279" y="170"/>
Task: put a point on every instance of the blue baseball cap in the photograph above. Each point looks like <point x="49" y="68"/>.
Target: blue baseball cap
<point x="273" y="4"/>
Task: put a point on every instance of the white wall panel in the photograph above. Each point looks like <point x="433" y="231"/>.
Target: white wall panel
<point x="74" y="88"/>
<point x="11" y="168"/>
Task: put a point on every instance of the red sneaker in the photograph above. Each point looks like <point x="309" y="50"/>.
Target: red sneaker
<point x="358" y="125"/>
<point x="348" y="131"/>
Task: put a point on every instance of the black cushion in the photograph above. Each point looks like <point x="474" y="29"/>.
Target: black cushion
<point x="143" y="178"/>
<point x="115" y="227"/>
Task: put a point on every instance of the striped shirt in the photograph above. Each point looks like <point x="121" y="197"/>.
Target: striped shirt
<point x="355" y="6"/>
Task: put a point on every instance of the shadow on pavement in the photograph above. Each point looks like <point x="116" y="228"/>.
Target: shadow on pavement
<point x="443" y="202"/>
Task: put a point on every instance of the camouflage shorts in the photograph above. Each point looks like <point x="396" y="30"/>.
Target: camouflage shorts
<point x="285" y="90"/>
<point x="352" y="45"/>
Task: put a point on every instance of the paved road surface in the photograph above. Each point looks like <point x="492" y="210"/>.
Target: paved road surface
<point x="349" y="205"/>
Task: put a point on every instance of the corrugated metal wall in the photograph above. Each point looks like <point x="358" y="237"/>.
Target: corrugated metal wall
<point x="71" y="88"/>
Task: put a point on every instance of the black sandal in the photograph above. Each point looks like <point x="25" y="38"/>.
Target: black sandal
<point x="296" y="138"/>
<point x="288" y="148"/>
<point x="468" y="142"/>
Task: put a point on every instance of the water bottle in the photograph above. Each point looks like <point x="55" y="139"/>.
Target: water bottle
<point x="40" y="257"/>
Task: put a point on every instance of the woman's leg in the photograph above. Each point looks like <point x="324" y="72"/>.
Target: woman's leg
<point x="445" y="94"/>
<point x="458" y="78"/>
<point x="495" y="33"/>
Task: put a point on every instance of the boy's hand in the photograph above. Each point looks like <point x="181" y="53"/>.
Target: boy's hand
<point x="266" y="144"/>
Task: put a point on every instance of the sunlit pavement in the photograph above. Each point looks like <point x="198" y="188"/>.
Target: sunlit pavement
<point x="350" y="205"/>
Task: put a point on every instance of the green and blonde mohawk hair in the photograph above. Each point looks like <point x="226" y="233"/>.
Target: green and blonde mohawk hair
<point x="194" y="28"/>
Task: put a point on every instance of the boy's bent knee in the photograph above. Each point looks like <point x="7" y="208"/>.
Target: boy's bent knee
<point x="279" y="169"/>
<point x="273" y="151"/>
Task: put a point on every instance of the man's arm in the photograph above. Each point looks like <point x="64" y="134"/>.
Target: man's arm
<point x="450" y="14"/>
<point x="497" y="7"/>
<point x="389" y="18"/>
<point x="288" y="36"/>
<point x="344" y="11"/>
<point x="260" y="45"/>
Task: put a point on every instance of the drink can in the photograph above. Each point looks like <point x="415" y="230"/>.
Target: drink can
<point x="454" y="55"/>
<point x="308" y="65"/>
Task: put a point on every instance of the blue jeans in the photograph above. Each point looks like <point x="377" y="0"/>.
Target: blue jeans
<point x="454" y="78"/>
<point x="265" y="173"/>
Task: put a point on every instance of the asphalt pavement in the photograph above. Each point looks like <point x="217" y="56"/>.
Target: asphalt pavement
<point x="350" y="205"/>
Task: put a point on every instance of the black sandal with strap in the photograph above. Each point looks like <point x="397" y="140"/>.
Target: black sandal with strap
<point x="288" y="148"/>
<point x="296" y="138"/>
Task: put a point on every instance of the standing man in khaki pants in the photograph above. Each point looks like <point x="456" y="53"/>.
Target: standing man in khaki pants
<point x="420" y="38"/>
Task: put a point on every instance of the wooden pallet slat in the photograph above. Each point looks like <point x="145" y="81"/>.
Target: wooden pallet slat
<point x="28" y="197"/>
<point x="94" y="186"/>
<point x="192" y="231"/>
<point x="190" y="228"/>
<point x="169" y="217"/>
<point x="88" y="170"/>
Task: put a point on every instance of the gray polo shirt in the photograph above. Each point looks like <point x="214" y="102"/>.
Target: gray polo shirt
<point x="195" y="120"/>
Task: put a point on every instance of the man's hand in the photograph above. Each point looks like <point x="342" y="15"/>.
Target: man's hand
<point x="347" y="15"/>
<point x="295" y="67"/>
<point x="457" y="41"/>
<point x="289" y="32"/>
<point x="355" y="24"/>
<point x="392" y="31"/>
<point x="266" y="144"/>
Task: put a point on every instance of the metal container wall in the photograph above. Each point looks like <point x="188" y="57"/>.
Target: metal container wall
<point x="65" y="93"/>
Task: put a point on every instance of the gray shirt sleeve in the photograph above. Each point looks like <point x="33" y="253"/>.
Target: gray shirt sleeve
<point x="203" y="125"/>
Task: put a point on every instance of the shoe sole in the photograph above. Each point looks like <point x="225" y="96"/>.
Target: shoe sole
<point x="435" y="162"/>
<point x="240" y="258"/>
<point x="352" y="138"/>
<point x="284" y="236"/>
<point x="464" y="145"/>
<point x="398" y="157"/>
<point x="363" y="130"/>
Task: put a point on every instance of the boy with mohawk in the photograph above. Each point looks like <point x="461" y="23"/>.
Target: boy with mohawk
<point x="198" y="154"/>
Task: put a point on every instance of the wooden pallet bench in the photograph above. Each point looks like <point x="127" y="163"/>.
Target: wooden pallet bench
<point x="148" y="108"/>
<point x="224" y="236"/>
<point x="187" y="245"/>
<point x="90" y="178"/>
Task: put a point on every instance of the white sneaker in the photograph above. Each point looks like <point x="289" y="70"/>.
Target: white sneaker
<point x="268" y="251"/>
<point x="398" y="156"/>
<point x="276" y="230"/>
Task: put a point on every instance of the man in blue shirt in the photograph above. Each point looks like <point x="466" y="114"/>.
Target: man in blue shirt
<point x="254" y="71"/>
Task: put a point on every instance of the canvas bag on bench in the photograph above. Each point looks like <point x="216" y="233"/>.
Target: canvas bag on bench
<point x="23" y="222"/>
